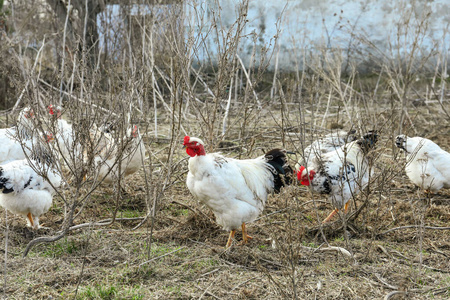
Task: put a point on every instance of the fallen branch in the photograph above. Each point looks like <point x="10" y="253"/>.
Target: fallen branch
<point x="383" y="281"/>
<point x="338" y="249"/>
<point x="101" y="223"/>
<point x="392" y="294"/>
<point x="40" y="240"/>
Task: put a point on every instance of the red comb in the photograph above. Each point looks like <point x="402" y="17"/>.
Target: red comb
<point x="134" y="132"/>
<point x="186" y="140"/>
<point x="50" y="109"/>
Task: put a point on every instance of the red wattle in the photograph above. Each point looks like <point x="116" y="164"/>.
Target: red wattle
<point x="191" y="152"/>
<point x="299" y="173"/>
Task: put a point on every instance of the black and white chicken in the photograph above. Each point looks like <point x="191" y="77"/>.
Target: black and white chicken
<point x="427" y="165"/>
<point x="341" y="173"/>
<point x="235" y="190"/>
<point x="328" y="143"/>
<point x="25" y="191"/>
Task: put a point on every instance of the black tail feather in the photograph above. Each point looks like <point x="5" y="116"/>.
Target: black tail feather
<point x="368" y="141"/>
<point x="283" y="172"/>
<point x="3" y="181"/>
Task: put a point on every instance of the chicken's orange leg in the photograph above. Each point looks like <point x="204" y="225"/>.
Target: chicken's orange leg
<point x="30" y="218"/>
<point x="230" y="238"/>
<point x="330" y="216"/>
<point x="245" y="236"/>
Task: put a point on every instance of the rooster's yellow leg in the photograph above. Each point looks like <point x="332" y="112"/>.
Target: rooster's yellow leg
<point x="230" y="238"/>
<point x="30" y="218"/>
<point x="346" y="206"/>
<point x="330" y="216"/>
<point x="245" y="236"/>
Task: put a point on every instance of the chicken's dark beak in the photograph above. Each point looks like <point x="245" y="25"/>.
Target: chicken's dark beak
<point x="399" y="142"/>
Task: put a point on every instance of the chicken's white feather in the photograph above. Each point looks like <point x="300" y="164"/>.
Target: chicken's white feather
<point x="235" y="190"/>
<point x="25" y="190"/>
<point x="132" y="156"/>
<point x="326" y="144"/>
<point x="341" y="173"/>
<point x="427" y="165"/>
<point x="14" y="140"/>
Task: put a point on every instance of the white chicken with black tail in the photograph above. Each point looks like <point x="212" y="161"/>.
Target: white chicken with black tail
<point x="427" y="164"/>
<point x="328" y="143"/>
<point x="341" y="173"/>
<point x="235" y="190"/>
<point x="25" y="191"/>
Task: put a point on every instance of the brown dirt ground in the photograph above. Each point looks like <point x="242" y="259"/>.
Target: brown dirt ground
<point x="285" y="258"/>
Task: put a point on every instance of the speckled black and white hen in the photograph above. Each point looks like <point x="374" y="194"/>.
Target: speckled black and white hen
<point x="341" y="173"/>
<point x="326" y="144"/>
<point x="24" y="190"/>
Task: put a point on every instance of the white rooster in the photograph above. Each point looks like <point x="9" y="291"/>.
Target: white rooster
<point x="340" y="173"/>
<point x="235" y="190"/>
<point x="24" y="191"/>
<point x="12" y="139"/>
<point x="427" y="165"/>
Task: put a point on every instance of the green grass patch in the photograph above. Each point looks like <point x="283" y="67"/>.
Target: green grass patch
<point x="105" y="292"/>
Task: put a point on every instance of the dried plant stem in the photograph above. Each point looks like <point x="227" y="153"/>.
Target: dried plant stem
<point x="414" y="226"/>
<point x="5" y="269"/>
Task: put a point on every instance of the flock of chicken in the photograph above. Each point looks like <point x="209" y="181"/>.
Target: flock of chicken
<point x="235" y="190"/>
<point x="30" y="167"/>
<point x="336" y="165"/>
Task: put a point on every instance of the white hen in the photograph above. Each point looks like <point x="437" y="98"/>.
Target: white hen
<point x="132" y="157"/>
<point x="235" y="190"/>
<point x="340" y="173"/>
<point x="11" y="138"/>
<point x="64" y="133"/>
<point x="427" y="165"/>
<point x="24" y="191"/>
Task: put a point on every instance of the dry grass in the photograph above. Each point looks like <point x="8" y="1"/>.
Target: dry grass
<point x="157" y="240"/>
<point x="285" y="258"/>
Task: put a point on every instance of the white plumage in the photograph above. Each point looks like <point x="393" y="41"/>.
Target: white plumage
<point x="25" y="192"/>
<point x="326" y="144"/>
<point x="341" y="173"/>
<point x="132" y="157"/>
<point x="64" y="134"/>
<point x="10" y="146"/>
<point x="427" y="165"/>
<point x="235" y="190"/>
